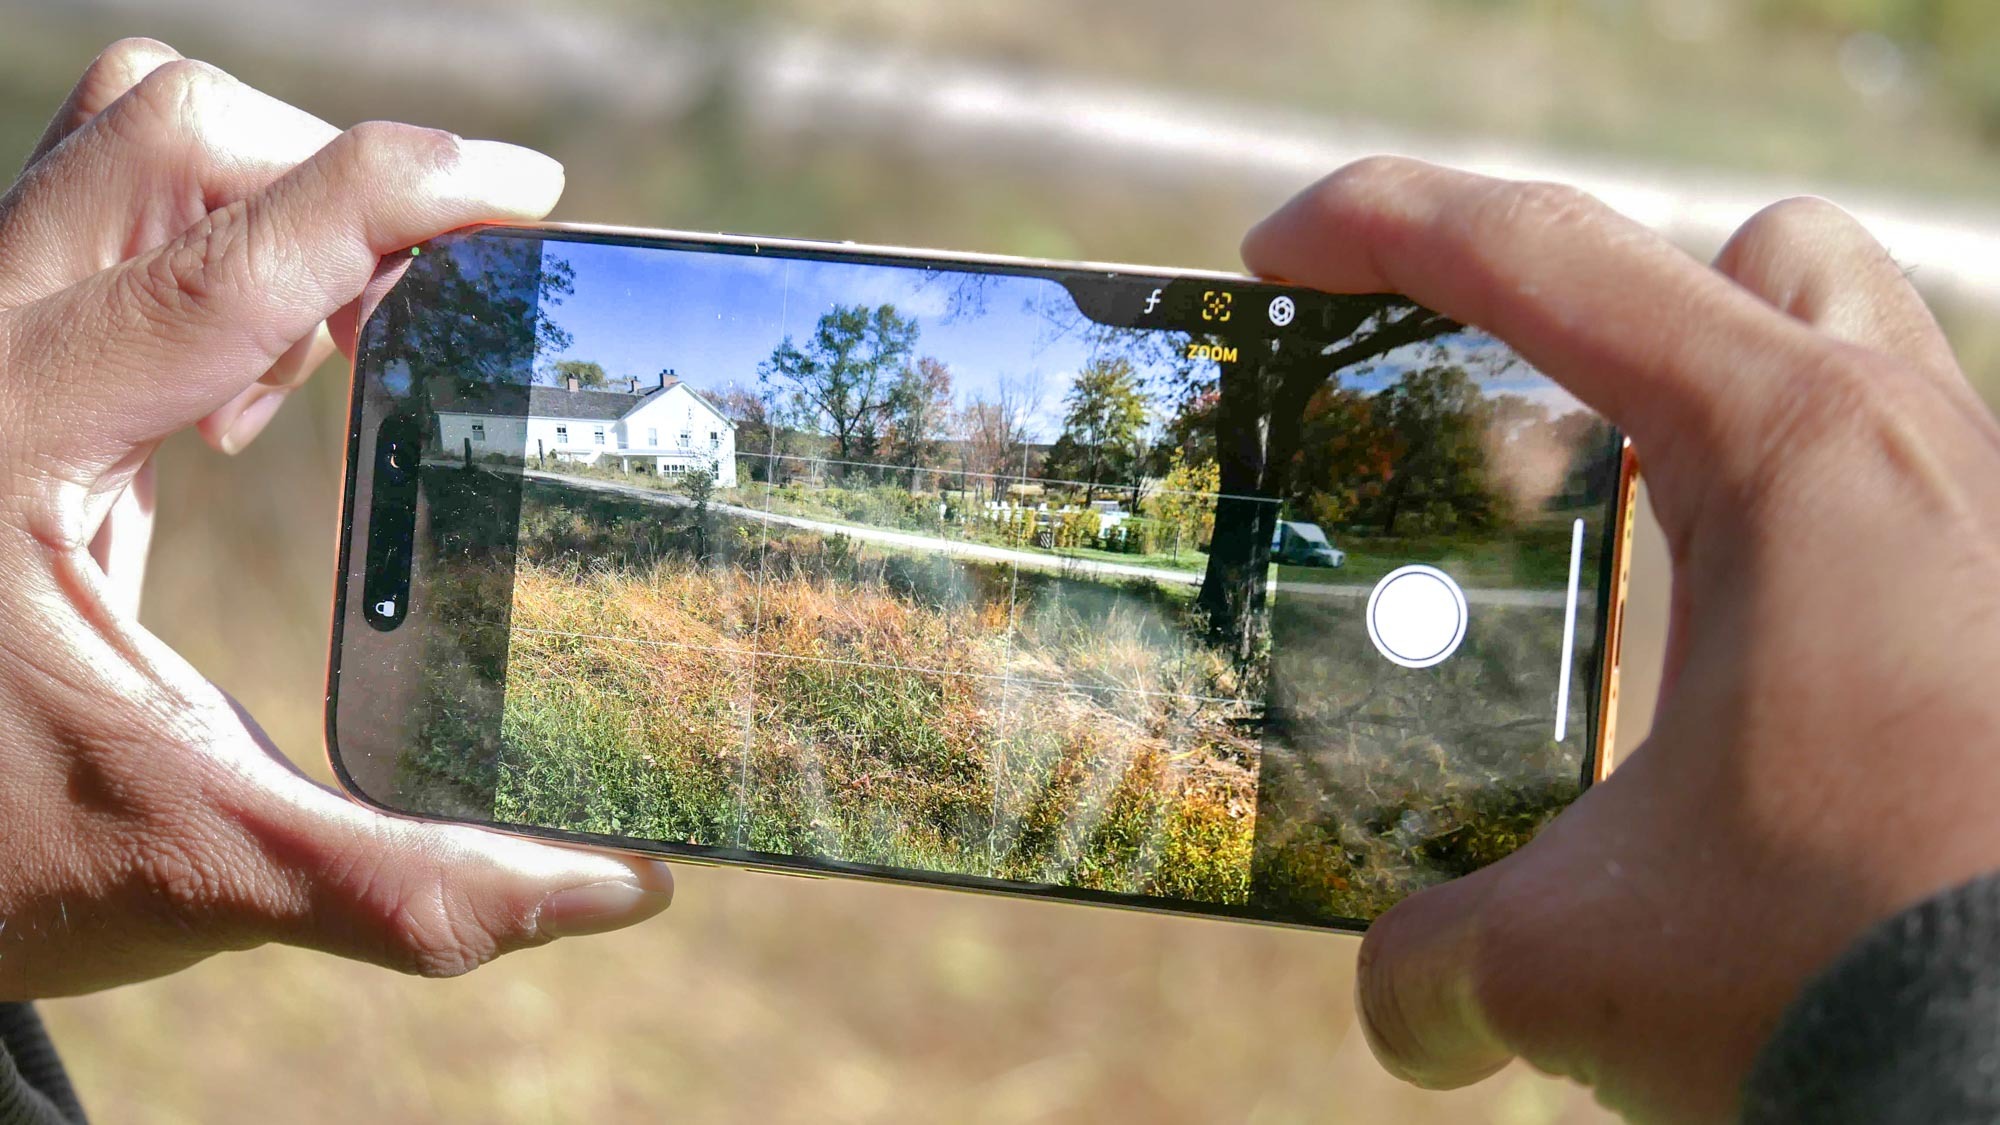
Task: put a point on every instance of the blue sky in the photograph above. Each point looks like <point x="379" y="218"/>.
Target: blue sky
<point x="714" y="317"/>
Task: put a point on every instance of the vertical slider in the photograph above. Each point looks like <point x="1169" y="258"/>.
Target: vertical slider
<point x="1569" y="629"/>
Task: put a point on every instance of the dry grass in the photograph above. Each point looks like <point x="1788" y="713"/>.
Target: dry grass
<point x="789" y="708"/>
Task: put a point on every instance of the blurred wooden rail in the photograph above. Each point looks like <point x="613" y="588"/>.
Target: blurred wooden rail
<point x="795" y="81"/>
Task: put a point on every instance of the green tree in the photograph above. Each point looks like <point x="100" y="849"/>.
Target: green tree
<point x="1104" y="426"/>
<point x="1437" y="420"/>
<point x="841" y="382"/>
<point x="698" y="485"/>
<point x="470" y="313"/>
<point x="587" y="373"/>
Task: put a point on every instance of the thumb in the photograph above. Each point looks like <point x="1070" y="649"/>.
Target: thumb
<point x="437" y="900"/>
<point x="431" y="899"/>
<point x="1417" y="986"/>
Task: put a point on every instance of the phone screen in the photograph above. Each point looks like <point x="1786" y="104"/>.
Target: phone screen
<point x="1174" y="591"/>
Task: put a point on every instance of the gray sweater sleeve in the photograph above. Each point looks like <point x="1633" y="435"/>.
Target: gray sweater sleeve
<point x="33" y="1088"/>
<point x="1905" y="1026"/>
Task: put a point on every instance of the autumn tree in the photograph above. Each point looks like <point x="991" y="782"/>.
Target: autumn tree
<point x="759" y="434"/>
<point x="994" y="432"/>
<point x="1345" y="458"/>
<point x="919" y="415"/>
<point x="841" y="381"/>
<point x="1104" y="426"/>
<point x="1185" y="502"/>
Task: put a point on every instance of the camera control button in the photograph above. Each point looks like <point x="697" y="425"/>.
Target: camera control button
<point x="1416" y="616"/>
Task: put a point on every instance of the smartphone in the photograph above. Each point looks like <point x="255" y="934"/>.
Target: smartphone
<point x="1169" y="590"/>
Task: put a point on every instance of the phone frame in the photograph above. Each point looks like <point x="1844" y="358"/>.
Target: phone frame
<point x="1614" y="577"/>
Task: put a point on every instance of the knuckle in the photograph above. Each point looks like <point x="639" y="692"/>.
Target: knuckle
<point x="387" y="146"/>
<point x="1845" y="390"/>
<point x="171" y="98"/>
<point x="177" y="877"/>
<point x="1801" y="224"/>
<point x="1539" y="205"/>
<point x="204" y="882"/>
<point x="192" y="276"/>
<point x="117" y="62"/>
<point x="430" y="933"/>
<point x="1371" y="177"/>
<point x="1799" y="214"/>
<point x="412" y="919"/>
<point x="112" y="72"/>
<point x="1843" y="407"/>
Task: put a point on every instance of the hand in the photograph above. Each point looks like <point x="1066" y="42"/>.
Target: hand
<point x="171" y="257"/>
<point x="1823" y="756"/>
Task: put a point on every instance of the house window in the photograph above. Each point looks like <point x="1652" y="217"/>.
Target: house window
<point x="687" y="439"/>
<point x="562" y="435"/>
<point x="653" y="438"/>
<point x="479" y="431"/>
<point x="598" y="435"/>
<point x="714" y="439"/>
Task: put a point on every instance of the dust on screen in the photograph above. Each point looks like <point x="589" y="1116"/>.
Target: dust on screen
<point x="894" y="567"/>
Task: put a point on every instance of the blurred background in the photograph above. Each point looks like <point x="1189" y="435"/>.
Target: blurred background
<point x="1141" y="130"/>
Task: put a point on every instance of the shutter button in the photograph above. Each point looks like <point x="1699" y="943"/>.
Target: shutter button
<point x="1416" y="616"/>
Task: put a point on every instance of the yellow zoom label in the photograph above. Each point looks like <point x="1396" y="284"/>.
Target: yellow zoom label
<point x="1220" y="353"/>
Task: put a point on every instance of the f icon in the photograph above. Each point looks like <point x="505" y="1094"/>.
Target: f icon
<point x="1153" y="301"/>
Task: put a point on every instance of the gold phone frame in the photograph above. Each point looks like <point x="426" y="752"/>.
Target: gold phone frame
<point x="1618" y="567"/>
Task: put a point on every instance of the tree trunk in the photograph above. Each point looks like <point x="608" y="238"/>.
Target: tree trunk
<point x="1232" y="588"/>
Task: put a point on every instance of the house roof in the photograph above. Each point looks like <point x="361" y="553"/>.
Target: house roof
<point x="512" y="400"/>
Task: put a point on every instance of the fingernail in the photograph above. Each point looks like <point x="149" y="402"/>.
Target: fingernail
<point x="597" y="907"/>
<point x="512" y="178"/>
<point x="252" y="421"/>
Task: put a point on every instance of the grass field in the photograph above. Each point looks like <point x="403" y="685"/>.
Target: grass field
<point x="1533" y="554"/>
<point x="805" y="694"/>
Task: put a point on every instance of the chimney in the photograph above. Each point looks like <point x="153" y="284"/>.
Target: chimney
<point x="570" y="382"/>
<point x="668" y="378"/>
<point x="635" y="385"/>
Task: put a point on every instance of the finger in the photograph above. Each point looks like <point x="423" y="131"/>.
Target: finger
<point x="1815" y="262"/>
<point x="1416" y="987"/>
<point x="115" y="70"/>
<point x="179" y="332"/>
<point x="236" y="423"/>
<point x="181" y="142"/>
<point x="1675" y="355"/>
<point x="184" y="140"/>
<point x="122" y="540"/>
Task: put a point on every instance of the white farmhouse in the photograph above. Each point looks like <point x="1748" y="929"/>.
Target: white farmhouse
<point x="664" y="429"/>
